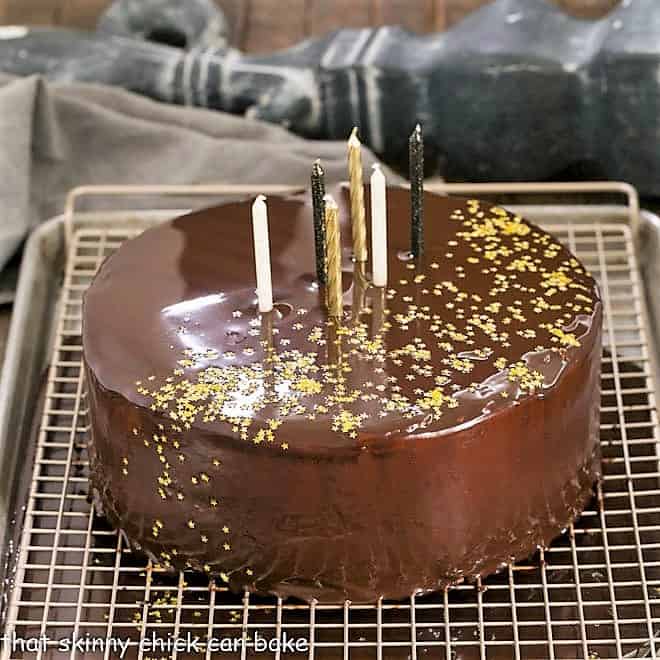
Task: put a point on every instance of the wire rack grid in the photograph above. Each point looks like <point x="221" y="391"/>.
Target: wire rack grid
<point x="594" y="593"/>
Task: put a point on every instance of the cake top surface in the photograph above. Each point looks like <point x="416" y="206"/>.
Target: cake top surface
<point x="493" y="314"/>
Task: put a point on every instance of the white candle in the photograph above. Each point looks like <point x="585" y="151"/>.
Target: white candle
<point x="262" y="254"/>
<point x="378" y="227"/>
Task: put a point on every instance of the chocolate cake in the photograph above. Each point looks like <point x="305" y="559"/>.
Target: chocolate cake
<point x="446" y="425"/>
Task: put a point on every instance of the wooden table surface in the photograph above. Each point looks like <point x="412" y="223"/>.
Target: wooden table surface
<point x="264" y="25"/>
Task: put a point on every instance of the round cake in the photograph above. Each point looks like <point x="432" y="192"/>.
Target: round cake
<point x="446" y="425"/>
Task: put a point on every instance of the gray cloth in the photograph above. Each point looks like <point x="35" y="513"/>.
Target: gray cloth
<point x="54" y="137"/>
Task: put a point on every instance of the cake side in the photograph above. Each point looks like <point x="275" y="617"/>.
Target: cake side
<point x="459" y="430"/>
<point x="380" y="521"/>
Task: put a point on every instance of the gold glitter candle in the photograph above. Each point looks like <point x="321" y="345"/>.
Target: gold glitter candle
<point x="416" y="150"/>
<point x="358" y="222"/>
<point x="333" y="257"/>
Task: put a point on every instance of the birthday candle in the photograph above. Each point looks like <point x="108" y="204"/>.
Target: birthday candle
<point x="262" y="254"/>
<point x="333" y="257"/>
<point x="378" y="227"/>
<point x="318" y="208"/>
<point x="358" y="223"/>
<point x="416" y="154"/>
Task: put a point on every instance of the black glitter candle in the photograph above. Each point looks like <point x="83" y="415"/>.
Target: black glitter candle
<point x="416" y="153"/>
<point x="318" y="193"/>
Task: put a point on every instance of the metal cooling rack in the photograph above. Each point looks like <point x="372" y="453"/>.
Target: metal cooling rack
<point x="595" y="593"/>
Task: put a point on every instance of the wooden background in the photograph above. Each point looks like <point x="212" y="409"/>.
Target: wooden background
<point x="263" y="25"/>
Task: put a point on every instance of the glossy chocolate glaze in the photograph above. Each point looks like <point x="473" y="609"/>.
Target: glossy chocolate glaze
<point x="449" y="426"/>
